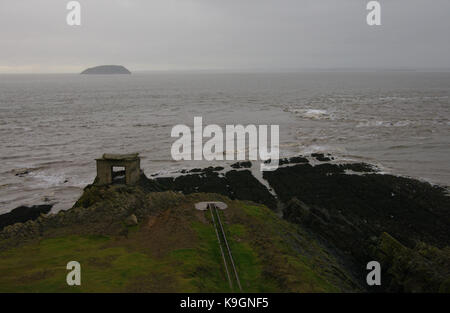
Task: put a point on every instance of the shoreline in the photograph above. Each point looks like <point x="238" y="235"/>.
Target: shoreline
<point x="315" y="158"/>
<point x="236" y="175"/>
<point x="355" y="217"/>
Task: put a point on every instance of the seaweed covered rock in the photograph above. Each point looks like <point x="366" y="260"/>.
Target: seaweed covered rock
<point x="370" y="204"/>
<point x="349" y="212"/>
<point x="241" y="185"/>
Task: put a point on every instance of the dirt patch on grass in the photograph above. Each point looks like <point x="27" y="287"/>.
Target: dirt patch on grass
<point x="163" y="232"/>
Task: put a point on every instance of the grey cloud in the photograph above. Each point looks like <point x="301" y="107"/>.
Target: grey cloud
<point x="224" y="34"/>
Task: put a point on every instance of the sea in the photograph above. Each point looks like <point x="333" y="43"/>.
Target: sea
<point x="54" y="126"/>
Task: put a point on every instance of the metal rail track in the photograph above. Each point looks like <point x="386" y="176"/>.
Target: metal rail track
<point x="220" y="232"/>
<point x="220" y="246"/>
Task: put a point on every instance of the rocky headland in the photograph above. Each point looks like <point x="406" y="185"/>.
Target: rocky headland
<point x="314" y="229"/>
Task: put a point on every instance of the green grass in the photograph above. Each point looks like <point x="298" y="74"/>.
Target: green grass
<point x="299" y="273"/>
<point x="258" y="211"/>
<point x="262" y="245"/>
<point x="203" y="265"/>
<point x="42" y="267"/>
<point x="236" y="230"/>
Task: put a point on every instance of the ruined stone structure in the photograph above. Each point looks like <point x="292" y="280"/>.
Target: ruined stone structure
<point x="131" y="164"/>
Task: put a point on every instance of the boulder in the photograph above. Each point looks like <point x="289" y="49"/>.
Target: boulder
<point x="131" y="220"/>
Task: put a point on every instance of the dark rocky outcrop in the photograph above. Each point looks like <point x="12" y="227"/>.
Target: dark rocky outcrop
<point x="351" y="212"/>
<point x="292" y="160"/>
<point x="366" y="205"/>
<point x="107" y="69"/>
<point x="245" y="164"/>
<point x="241" y="185"/>
<point x="322" y="157"/>
<point x="23" y="213"/>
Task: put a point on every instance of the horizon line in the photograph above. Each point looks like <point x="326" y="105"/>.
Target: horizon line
<point x="262" y="70"/>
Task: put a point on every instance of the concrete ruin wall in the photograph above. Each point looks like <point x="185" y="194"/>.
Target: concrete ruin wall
<point x="105" y="167"/>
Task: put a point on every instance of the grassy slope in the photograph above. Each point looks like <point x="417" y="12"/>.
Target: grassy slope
<point x="173" y="249"/>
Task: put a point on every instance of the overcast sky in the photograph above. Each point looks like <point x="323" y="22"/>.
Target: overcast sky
<point x="223" y="34"/>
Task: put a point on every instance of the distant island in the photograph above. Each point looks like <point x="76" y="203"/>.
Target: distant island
<point x="107" y="69"/>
